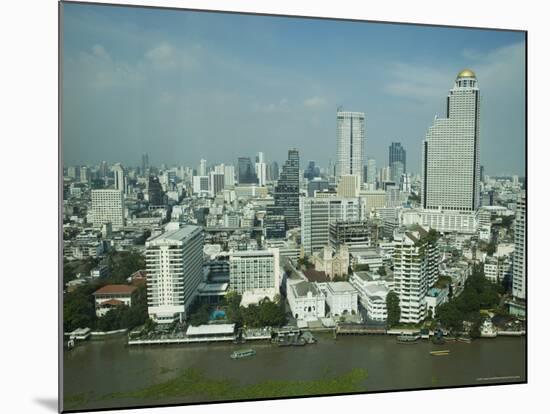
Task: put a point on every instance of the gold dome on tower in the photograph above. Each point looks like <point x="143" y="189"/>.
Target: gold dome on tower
<point x="466" y="73"/>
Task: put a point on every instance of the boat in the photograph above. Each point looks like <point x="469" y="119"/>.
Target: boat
<point x="309" y="338"/>
<point x="438" y="338"/>
<point x="464" y="339"/>
<point x="243" y="353"/>
<point x="440" y="353"/>
<point x="408" y="338"/>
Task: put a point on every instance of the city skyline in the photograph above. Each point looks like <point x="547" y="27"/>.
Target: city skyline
<point x="270" y="80"/>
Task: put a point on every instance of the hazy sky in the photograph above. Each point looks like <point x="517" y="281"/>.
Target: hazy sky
<point x="185" y="85"/>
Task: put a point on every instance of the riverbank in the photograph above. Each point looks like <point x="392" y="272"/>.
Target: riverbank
<point x="109" y="373"/>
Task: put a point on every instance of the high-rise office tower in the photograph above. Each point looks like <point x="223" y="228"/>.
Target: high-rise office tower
<point x="371" y="172"/>
<point x="216" y="183"/>
<point x="318" y="213"/>
<point x="398" y="154"/>
<point x="174" y="272"/>
<point x="273" y="171"/>
<point x="144" y="163"/>
<point x="261" y="169"/>
<point x="397" y="169"/>
<point x="312" y="171"/>
<point x="202" y="167"/>
<point x="155" y="194"/>
<point x="518" y="269"/>
<point x="228" y="175"/>
<point x="103" y="169"/>
<point x="107" y="207"/>
<point x="350" y="132"/>
<point x="120" y="178"/>
<point x="287" y="190"/>
<point x="450" y="168"/>
<point x="246" y="174"/>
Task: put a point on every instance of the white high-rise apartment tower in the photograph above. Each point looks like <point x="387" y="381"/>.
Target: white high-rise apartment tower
<point x="450" y="168"/>
<point x="518" y="269"/>
<point x="174" y="272"/>
<point x="350" y="151"/>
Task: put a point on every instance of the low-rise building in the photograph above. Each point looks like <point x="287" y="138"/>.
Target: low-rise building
<point x="372" y="292"/>
<point x="434" y="298"/>
<point x="111" y="296"/>
<point x="332" y="262"/>
<point x="305" y="299"/>
<point x="341" y="298"/>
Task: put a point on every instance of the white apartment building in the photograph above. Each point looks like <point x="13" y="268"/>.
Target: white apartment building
<point x="254" y="270"/>
<point x="441" y="220"/>
<point x="318" y="213"/>
<point x="450" y="168"/>
<point x="415" y="271"/>
<point x="201" y="184"/>
<point x="174" y="262"/>
<point x="107" y="207"/>
<point x="350" y="151"/>
<point x="518" y="269"/>
<point x="120" y="178"/>
<point x="372" y="295"/>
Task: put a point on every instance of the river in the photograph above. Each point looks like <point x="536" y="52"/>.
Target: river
<point x="101" y="367"/>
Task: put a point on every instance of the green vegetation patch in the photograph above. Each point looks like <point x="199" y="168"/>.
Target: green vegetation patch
<point x="193" y="383"/>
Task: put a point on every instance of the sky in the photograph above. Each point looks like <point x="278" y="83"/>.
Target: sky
<point x="182" y="85"/>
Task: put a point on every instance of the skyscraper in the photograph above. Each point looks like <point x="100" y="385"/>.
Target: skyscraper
<point x="120" y="178"/>
<point x="174" y="271"/>
<point x="312" y="171"/>
<point x="155" y="194"/>
<point x="261" y="169"/>
<point x="246" y="174"/>
<point x="287" y="190"/>
<point x="144" y="163"/>
<point x="350" y="144"/>
<point x="450" y="168"/>
<point x="398" y="154"/>
<point x="273" y="171"/>
<point x="518" y="270"/>
<point x="371" y="172"/>
<point x="202" y="167"/>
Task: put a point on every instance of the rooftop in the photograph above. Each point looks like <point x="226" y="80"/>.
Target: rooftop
<point x="215" y="329"/>
<point x="302" y="288"/>
<point x="115" y="290"/>
<point x="176" y="235"/>
<point x="341" y="287"/>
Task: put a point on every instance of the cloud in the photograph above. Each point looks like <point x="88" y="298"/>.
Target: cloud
<point x="281" y="106"/>
<point x="315" y="102"/>
<point x="418" y="82"/>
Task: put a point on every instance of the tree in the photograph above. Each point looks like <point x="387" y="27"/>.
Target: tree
<point x="79" y="309"/>
<point x="382" y="271"/>
<point x="393" y="308"/>
<point x="200" y="316"/>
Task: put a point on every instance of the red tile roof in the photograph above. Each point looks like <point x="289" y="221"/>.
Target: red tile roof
<point x="115" y="290"/>
<point x="111" y="302"/>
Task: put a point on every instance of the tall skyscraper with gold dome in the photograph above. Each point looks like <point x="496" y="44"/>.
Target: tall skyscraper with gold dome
<point x="450" y="167"/>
